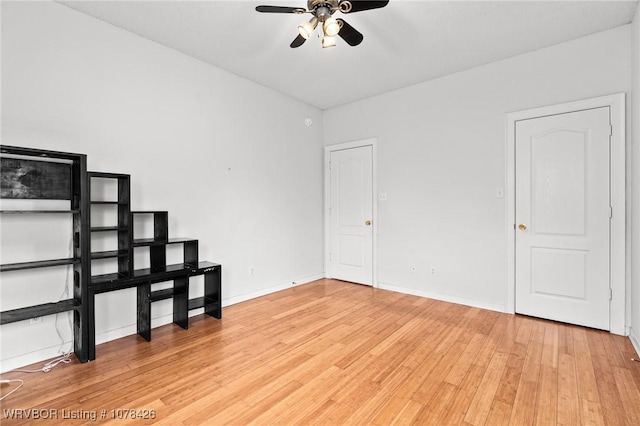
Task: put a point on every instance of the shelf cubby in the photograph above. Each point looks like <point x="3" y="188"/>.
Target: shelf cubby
<point x="122" y="228"/>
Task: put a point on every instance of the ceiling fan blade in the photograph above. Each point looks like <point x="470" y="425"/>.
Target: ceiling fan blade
<point x="298" y="41"/>
<point x="349" y="34"/>
<point x="349" y="6"/>
<point x="280" y="9"/>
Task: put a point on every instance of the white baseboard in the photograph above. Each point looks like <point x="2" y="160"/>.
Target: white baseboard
<point x="40" y="355"/>
<point x="442" y="297"/>
<point x="116" y="333"/>
<point x="128" y="330"/>
<point x="268" y="290"/>
<point x="635" y="340"/>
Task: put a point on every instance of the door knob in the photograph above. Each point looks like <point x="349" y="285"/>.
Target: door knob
<point x="368" y="223"/>
<point x="522" y="227"/>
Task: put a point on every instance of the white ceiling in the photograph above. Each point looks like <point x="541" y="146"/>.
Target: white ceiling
<point x="407" y="42"/>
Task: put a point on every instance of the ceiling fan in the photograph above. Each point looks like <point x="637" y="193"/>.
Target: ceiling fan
<point x="322" y="11"/>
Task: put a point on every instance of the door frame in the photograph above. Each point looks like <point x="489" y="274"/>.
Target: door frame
<point x="617" y="267"/>
<point x="372" y="142"/>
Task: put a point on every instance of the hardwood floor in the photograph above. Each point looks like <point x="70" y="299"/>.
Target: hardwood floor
<point x="331" y="352"/>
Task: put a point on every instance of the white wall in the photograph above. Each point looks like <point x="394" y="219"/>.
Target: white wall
<point x="232" y="161"/>
<point x="635" y="186"/>
<point x="441" y="160"/>
<point x="237" y="169"/>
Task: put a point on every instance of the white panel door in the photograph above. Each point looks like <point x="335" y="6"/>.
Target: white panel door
<point x="563" y="217"/>
<point x="351" y="215"/>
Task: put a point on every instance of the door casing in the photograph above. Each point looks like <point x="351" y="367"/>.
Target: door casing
<point x="616" y="103"/>
<point x="327" y="201"/>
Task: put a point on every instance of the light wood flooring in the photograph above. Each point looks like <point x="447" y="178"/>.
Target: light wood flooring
<point x="330" y="352"/>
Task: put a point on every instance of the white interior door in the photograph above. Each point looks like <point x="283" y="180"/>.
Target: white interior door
<point x="351" y="215"/>
<point x="563" y="216"/>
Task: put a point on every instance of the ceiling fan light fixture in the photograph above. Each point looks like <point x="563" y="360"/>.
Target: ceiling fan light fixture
<point x="306" y="28"/>
<point x="331" y="27"/>
<point x="328" y="41"/>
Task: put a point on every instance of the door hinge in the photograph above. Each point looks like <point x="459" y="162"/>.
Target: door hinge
<point x="610" y="130"/>
<point x="610" y="212"/>
<point x="610" y="293"/>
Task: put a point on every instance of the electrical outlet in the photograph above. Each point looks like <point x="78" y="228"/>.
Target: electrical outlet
<point x="36" y="320"/>
<point x="382" y="196"/>
<point x="433" y="271"/>
<point x="251" y="271"/>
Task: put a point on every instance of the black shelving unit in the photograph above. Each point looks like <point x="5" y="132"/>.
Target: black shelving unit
<point x="128" y="276"/>
<point x="78" y="199"/>
<point x="122" y="229"/>
<point x="180" y="273"/>
<point x="87" y="285"/>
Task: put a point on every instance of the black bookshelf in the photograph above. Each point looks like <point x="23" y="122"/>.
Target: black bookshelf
<point x="77" y="195"/>
<point x="87" y="285"/>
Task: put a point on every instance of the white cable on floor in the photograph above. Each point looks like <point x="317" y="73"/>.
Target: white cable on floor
<point x="20" y="381"/>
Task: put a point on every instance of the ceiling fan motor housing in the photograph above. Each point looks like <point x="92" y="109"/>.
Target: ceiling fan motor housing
<point x="332" y="5"/>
